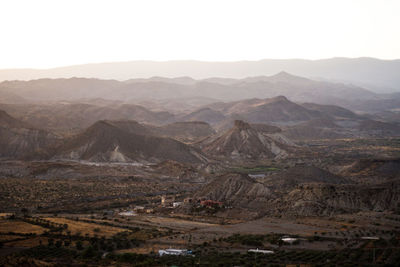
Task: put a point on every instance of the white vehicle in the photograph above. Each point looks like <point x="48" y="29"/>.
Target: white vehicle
<point x="172" y="251"/>
<point x="127" y="213"/>
<point x="261" y="251"/>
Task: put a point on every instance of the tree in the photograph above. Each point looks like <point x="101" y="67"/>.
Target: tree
<point x="25" y="211"/>
<point x="79" y="245"/>
<point x="50" y="242"/>
<point x="58" y="243"/>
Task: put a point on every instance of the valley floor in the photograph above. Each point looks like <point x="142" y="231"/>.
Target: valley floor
<point x="71" y="213"/>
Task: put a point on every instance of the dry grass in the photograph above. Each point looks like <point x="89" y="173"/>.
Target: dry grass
<point x="146" y="249"/>
<point x="87" y="228"/>
<point x="331" y="225"/>
<point x="140" y="235"/>
<point x="20" y="227"/>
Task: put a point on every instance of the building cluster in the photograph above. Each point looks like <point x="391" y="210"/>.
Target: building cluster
<point x="170" y="202"/>
<point x="167" y="202"/>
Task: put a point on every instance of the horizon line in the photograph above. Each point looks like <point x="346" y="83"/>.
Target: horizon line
<point x="191" y="60"/>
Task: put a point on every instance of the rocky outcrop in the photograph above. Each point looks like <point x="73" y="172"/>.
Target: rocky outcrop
<point x="323" y="199"/>
<point x="244" y="142"/>
<point x="301" y="191"/>
<point x="237" y="190"/>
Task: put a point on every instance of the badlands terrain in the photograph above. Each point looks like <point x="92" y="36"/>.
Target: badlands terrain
<point x="105" y="172"/>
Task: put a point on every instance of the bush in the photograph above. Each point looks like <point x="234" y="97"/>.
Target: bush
<point x="89" y="252"/>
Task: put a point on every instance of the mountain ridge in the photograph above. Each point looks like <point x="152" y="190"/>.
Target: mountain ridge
<point x="349" y="70"/>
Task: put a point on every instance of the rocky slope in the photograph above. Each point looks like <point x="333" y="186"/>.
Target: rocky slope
<point x="277" y="109"/>
<point x="302" y="174"/>
<point x="204" y="114"/>
<point x="301" y="196"/>
<point x="67" y="117"/>
<point x="122" y="142"/>
<point x="20" y="140"/>
<point x="323" y="199"/>
<point x="373" y="170"/>
<point x="244" y="142"/>
<point x="238" y="190"/>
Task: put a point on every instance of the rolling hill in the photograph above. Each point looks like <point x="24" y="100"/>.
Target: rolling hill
<point x="106" y="141"/>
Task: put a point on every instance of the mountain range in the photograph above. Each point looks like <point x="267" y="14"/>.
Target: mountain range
<point x="365" y="72"/>
<point x="296" y="120"/>
<point x="185" y="94"/>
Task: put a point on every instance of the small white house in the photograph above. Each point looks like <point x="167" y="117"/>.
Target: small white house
<point x="139" y="209"/>
<point x="289" y="240"/>
<point x="177" y="204"/>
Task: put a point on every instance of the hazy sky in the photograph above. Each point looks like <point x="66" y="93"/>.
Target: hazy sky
<point x="49" y="33"/>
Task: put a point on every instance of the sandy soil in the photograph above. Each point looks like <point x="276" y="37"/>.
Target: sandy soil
<point x="174" y="223"/>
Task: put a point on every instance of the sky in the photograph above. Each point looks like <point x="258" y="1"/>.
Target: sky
<point x="51" y="33"/>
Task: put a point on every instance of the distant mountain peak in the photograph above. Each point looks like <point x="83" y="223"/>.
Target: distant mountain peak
<point x="280" y="98"/>
<point x="244" y="142"/>
<point x="241" y="125"/>
<point x="285" y="76"/>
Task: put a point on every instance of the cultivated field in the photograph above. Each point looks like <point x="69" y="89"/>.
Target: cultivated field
<point x="7" y="226"/>
<point x="84" y="228"/>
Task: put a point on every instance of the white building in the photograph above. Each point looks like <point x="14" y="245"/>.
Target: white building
<point x="289" y="240"/>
